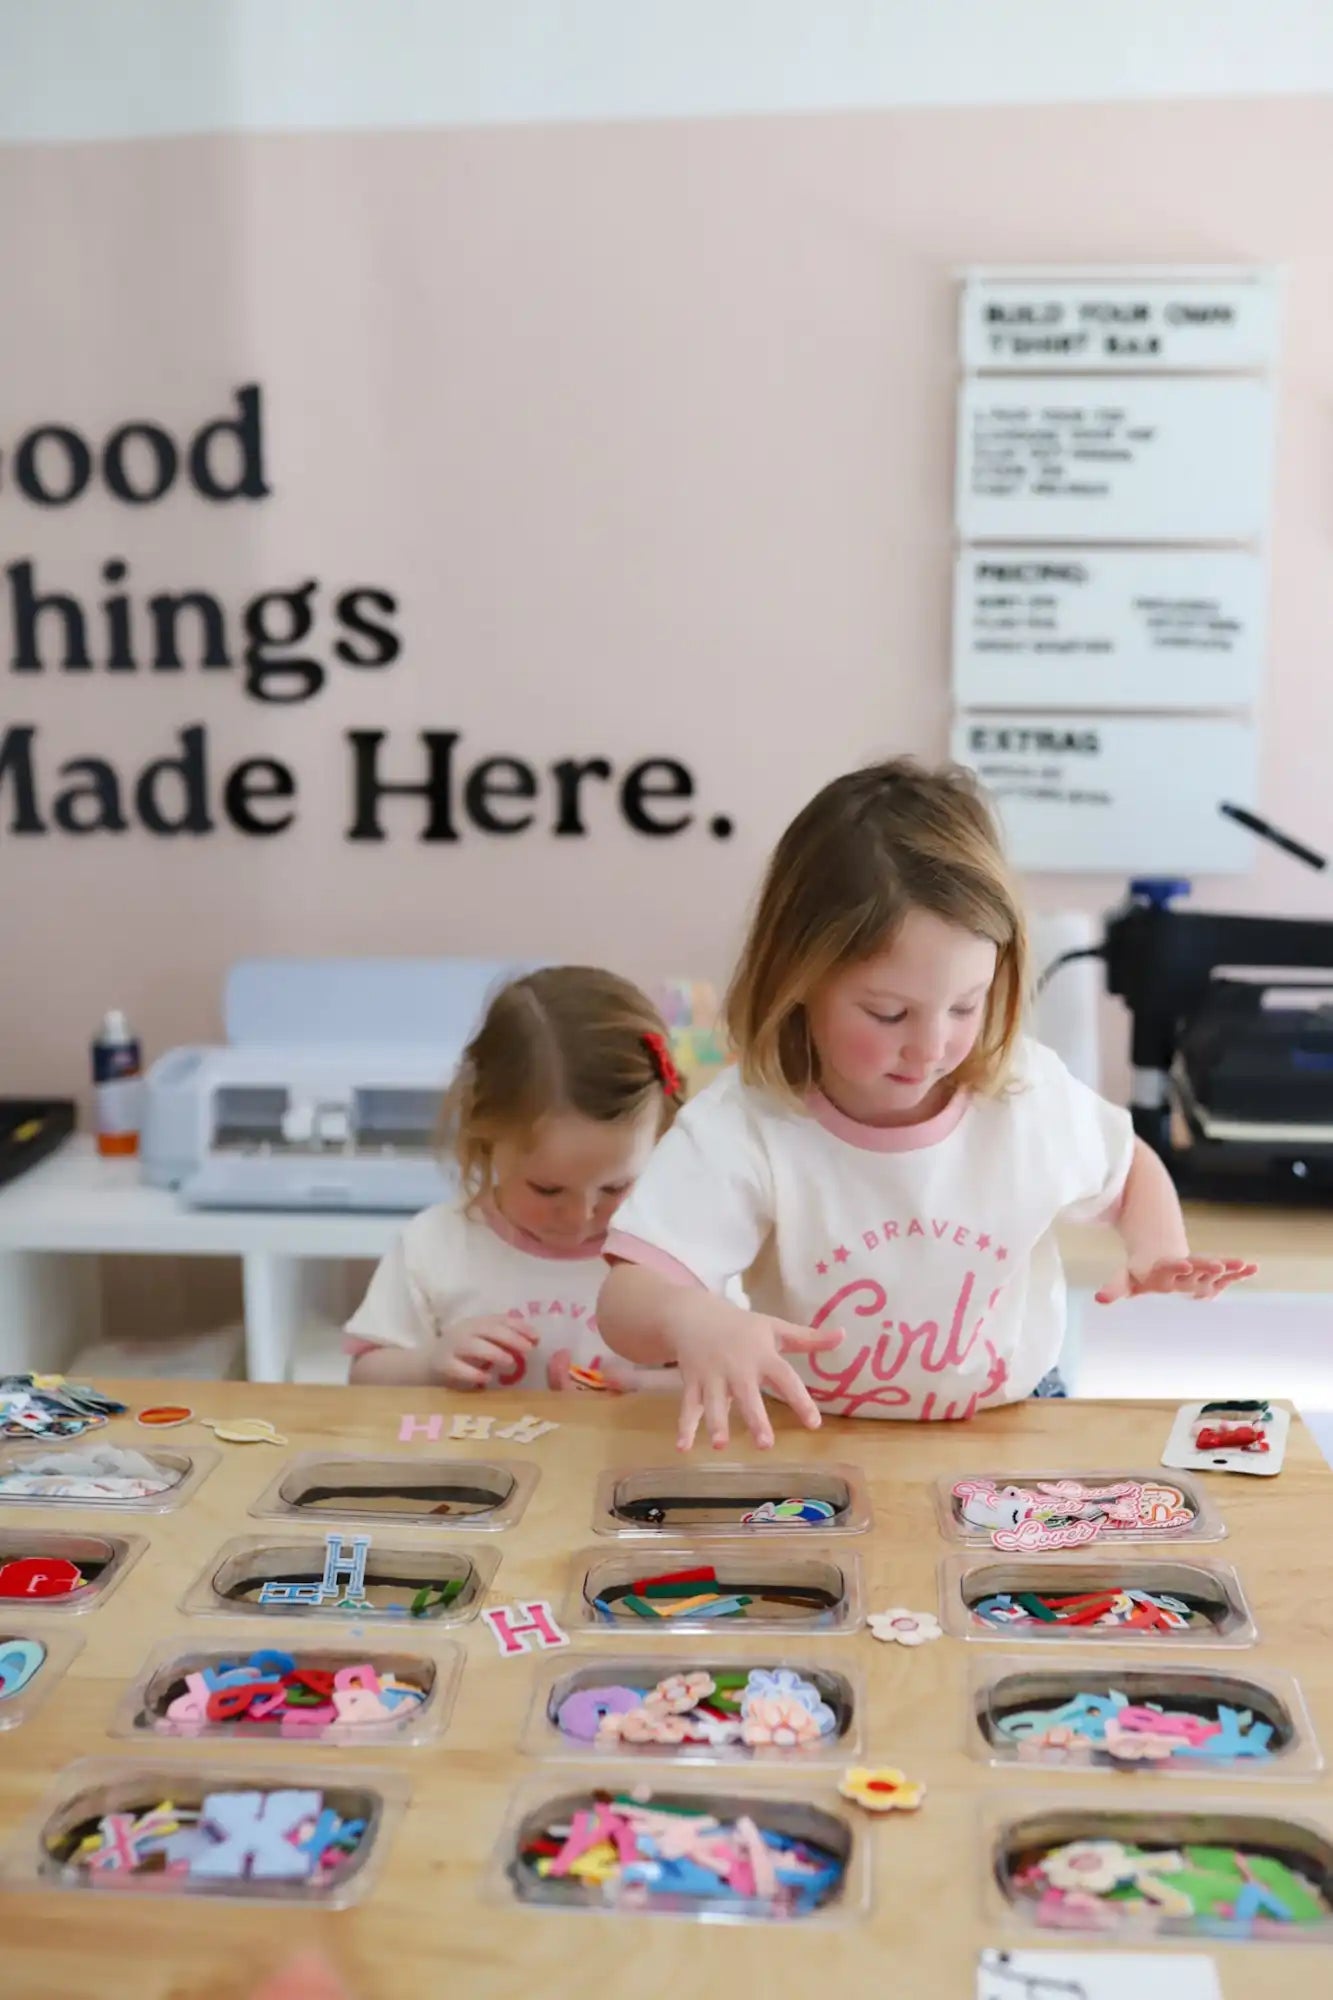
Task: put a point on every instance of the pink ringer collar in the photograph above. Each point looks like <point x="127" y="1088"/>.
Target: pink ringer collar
<point x="532" y="1246"/>
<point x="888" y="1138"/>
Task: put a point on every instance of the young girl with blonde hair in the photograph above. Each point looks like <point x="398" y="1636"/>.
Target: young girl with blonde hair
<point x="885" y="1165"/>
<point x="559" y="1100"/>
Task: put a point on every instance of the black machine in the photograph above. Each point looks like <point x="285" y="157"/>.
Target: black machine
<point x="30" y="1129"/>
<point x="1233" y="1062"/>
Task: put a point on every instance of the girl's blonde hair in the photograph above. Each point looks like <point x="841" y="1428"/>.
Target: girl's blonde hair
<point x="867" y="849"/>
<point x="567" y="1038"/>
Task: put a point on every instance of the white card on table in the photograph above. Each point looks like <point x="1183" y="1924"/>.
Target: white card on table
<point x="1219" y="1420"/>
<point x="1089" y="1975"/>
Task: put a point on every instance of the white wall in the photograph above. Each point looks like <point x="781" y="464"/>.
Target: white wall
<point x="78" y="69"/>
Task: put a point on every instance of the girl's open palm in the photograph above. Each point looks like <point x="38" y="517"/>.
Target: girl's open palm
<point x="727" y="1355"/>
<point x="1192" y="1277"/>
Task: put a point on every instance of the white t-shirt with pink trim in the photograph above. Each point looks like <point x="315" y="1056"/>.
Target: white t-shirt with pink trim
<point x="931" y="1245"/>
<point x="450" y="1265"/>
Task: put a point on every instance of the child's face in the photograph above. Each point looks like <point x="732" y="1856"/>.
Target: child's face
<point x="891" y="1030"/>
<point x="564" y="1183"/>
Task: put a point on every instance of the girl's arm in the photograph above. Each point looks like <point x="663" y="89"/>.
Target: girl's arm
<point x="1150" y="1222"/>
<point x="393" y="1367"/>
<point x="700" y="1213"/>
<point x="632" y="1311"/>
<point x="1151" y="1225"/>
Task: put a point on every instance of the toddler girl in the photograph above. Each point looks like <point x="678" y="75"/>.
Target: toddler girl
<point x="886" y="1164"/>
<point x="557" y="1104"/>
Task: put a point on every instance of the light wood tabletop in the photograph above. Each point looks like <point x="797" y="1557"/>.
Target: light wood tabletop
<point x="427" y="1927"/>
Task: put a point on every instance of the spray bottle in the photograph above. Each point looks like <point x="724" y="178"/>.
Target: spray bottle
<point x="117" y="1073"/>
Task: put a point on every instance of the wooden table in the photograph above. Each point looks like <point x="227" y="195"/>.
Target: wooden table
<point x="425" y="1930"/>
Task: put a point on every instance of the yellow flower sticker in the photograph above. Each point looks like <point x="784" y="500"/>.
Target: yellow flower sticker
<point x="881" y="1789"/>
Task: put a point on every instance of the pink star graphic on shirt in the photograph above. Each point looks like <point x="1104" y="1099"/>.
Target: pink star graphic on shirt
<point x="841" y="1254"/>
<point x="983" y="1242"/>
<point x="822" y="1268"/>
<point x="1000" y="1252"/>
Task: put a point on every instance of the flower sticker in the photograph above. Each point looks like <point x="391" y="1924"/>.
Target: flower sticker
<point x="907" y="1628"/>
<point x="1093" y="1866"/>
<point x="766" y="1682"/>
<point x="881" y="1790"/>
<point x="681" y="1692"/>
<point x="780" y="1721"/>
<point x="785" y="1684"/>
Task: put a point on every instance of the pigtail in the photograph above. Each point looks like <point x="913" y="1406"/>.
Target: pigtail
<point x="456" y="1134"/>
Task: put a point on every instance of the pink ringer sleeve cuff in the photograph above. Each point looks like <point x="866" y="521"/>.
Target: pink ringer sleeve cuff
<point x="633" y="1250"/>
<point x="356" y="1348"/>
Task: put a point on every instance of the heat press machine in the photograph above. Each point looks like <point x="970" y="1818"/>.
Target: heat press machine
<point x="1233" y="1061"/>
<point x="328" y="1090"/>
<point x="31" y="1128"/>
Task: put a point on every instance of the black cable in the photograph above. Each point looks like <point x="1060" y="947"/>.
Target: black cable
<point x="1252" y="822"/>
<point x="1068" y="958"/>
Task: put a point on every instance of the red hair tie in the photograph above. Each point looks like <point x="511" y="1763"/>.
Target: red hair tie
<point x="667" y="1073"/>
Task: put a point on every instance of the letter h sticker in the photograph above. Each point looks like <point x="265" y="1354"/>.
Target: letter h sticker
<point x="511" y="1635"/>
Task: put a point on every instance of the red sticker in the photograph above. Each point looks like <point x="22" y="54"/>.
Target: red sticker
<point x="163" y="1415"/>
<point x="39" y="1576"/>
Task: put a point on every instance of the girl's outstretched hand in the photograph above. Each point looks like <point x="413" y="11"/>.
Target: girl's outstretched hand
<point x="1193" y="1277"/>
<point x="727" y="1355"/>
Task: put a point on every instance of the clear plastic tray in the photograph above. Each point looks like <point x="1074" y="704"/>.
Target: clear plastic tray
<point x="1011" y="1511"/>
<point x="102" y="1560"/>
<point x="1218" y="1613"/>
<point x="1196" y="1889"/>
<point x="30" y="1665"/>
<point x="827" y="1590"/>
<point x="782" y="1727"/>
<point x="86" y="1792"/>
<point x="797" y="1814"/>
<point x="187" y="1471"/>
<point x="395" y="1575"/>
<point x="1267" y="1734"/>
<point x="456" y="1494"/>
<point x="162" y="1682"/>
<point x="712" y="1500"/>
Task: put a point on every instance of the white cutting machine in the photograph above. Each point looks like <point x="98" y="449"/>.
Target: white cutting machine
<point x="327" y="1093"/>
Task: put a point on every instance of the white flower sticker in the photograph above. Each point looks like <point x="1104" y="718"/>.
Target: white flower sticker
<point x="906" y="1628"/>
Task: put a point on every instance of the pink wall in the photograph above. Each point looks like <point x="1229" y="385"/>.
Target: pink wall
<point x="648" y="426"/>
